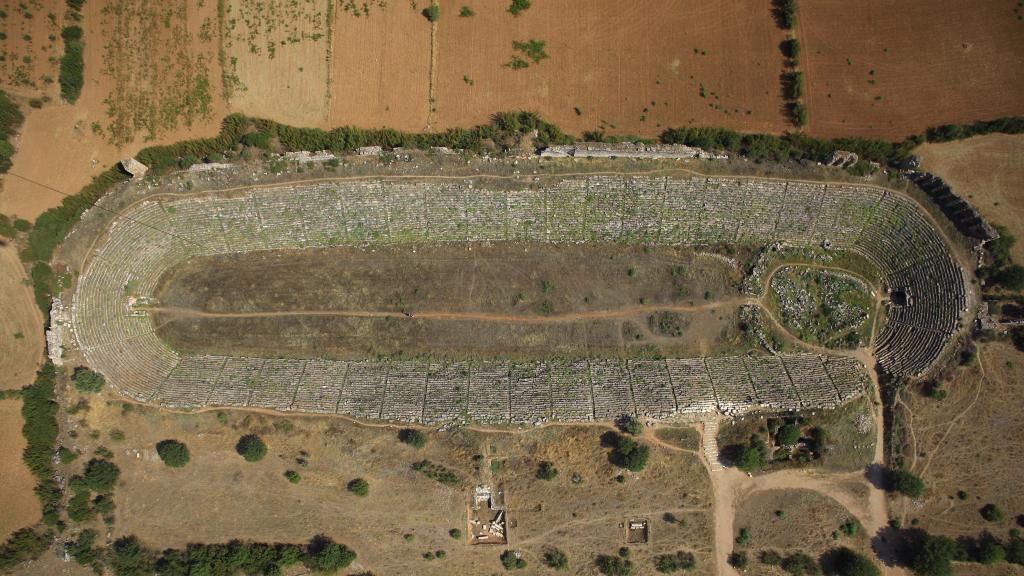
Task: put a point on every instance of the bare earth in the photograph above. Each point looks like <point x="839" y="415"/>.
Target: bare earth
<point x="934" y="63"/>
<point x="989" y="172"/>
<point x="17" y="500"/>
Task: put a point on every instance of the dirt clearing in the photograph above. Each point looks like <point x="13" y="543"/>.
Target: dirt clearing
<point x="889" y="70"/>
<point x="473" y="300"/>
<point x="406" y="514"/>
<point x="21" y="324"/>
<point x="989" y="172"/>
<point x="17" y="500"/>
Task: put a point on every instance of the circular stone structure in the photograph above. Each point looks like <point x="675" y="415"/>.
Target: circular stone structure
<point x="117" y="337"/>
<point x="823" y="306"/>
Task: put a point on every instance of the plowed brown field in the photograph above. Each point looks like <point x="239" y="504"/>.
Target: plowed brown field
<point x="933" y="63"/>
<point x="629" y="68"/>
<point x="20" y="506"/>
<point x="21" y="324"/>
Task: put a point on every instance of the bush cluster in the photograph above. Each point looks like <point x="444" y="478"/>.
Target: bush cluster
<point x="72" y="64"/>
<point x="174" y="454"/>
<point x="251" y="447"/>
<point x="10" y="120"/>
<point x="39" y="412"/>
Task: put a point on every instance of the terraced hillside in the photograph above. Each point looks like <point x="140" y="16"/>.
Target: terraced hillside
<point x="118" y="338"/>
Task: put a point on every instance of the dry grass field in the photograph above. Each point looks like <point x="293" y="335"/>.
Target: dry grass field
<point x="21" y="334"/>
<point x="405" y="514"/>
<point x="511" y="301"/>
<point x="809" y="523"/>
<point x="889" y="70"/>
<point x="969" y="442"/>
<point x="17" y="499"/>
<point x="989" y="172"/>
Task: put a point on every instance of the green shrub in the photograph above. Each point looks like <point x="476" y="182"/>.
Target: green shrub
<point x="258" y="140"/>
<point x="991" y="552"/>
<point x="413" y="437"/>
<point x="785" y="13"/>
<point x="555" y="559"/>
<point x="752" y="456"/>
<point x="455" y="533"/>
<point x="251" y="447"/>
<point x="799" y="114"/>
<point x="518" y="6"/>
<point x="791" y="48"/>
<point x="511" y="561"/>
<point x="100" y="475"/>
<point x="292" y="476"/>
<point x="72" y="64"/>
<point x="906" y="483"/>
<point x="466" y="12"/>
<point x="800" y="564"/>
<point x="788" y="435"/>
<point x="992" y="513"/>
<point x="432" y="12"/>
<point x="850" y="563"/>
<point x="934" y="556"/>
<point x="630" y="425"/>
<point x="671" y="563"/>
<point x="739" y="560"/>
<point x="359" y="487"/>
<point x="173" y="453"/>
<point x="629" y="454"/>
<point x="613" y="566"/>
<point x="436" y="472"/>
<point x="88" y="381"/>
<point x="10" y="120"/>
<point x="25" y="544"/>
<point x="546" y="471"/>
<point x="44" y="284"/>
<point x="743" y="537"/>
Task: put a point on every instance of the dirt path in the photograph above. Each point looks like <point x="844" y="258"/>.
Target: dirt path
<point x="624" y="312"/>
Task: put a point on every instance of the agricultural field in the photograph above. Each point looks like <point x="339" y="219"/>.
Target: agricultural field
<point x="890" y="70"/>
<point x="405" y="514"/>
<point x="469" y="301"/>
<point x="30" y="46"/>
<point x="20" y="506"/>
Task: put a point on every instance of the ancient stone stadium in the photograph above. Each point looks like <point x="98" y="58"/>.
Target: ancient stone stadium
<point x="927" y="290"/>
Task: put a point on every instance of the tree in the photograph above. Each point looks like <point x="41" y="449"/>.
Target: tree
<point x="327" y="556"/>
<point x="991" y="552"/>
<point x="87" y="381"/>
<point x="752" y="456"/>
<point x="101" y="475"/>
<point x="788" y="435"/>
<point x="546" y="471"/>
<point x="359" y="487"/>
<point x="629" y="454"/>
<point x="173" y="453"/>
<point x="455" y="533"/>
<point x="555" y="558"/>
<point x="630" y="425"/>
<point x="466" y="12"/>
<point x="292" y="476"/>
<point x="512" y="561"/>
<point x="251" y="447"/>
<point x="432" y="12"/>
<point x="850" y="563"/>
<point x="739" y="560"/>
<point x="613" y="566"/>
<point x="1010" y="277"/>
<point x="1015" y="551"/>
<point x="413" y="437"/>
<point x="934" y="556"/>
<point x="669" y="563"/>
<point x="518" y="6"/>
<point x="992" y="513"/>
<point x="906" y="483"/>
<point x="800" y="564"/>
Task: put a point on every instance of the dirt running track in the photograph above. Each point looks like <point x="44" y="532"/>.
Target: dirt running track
<point x="891" y="69"/>
<point x="21" y="332"/>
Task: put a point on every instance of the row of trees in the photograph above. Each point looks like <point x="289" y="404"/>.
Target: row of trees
<point x="128" y="557"/>
<point x="10" y="120"/>
<point x="72" y="64"/>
